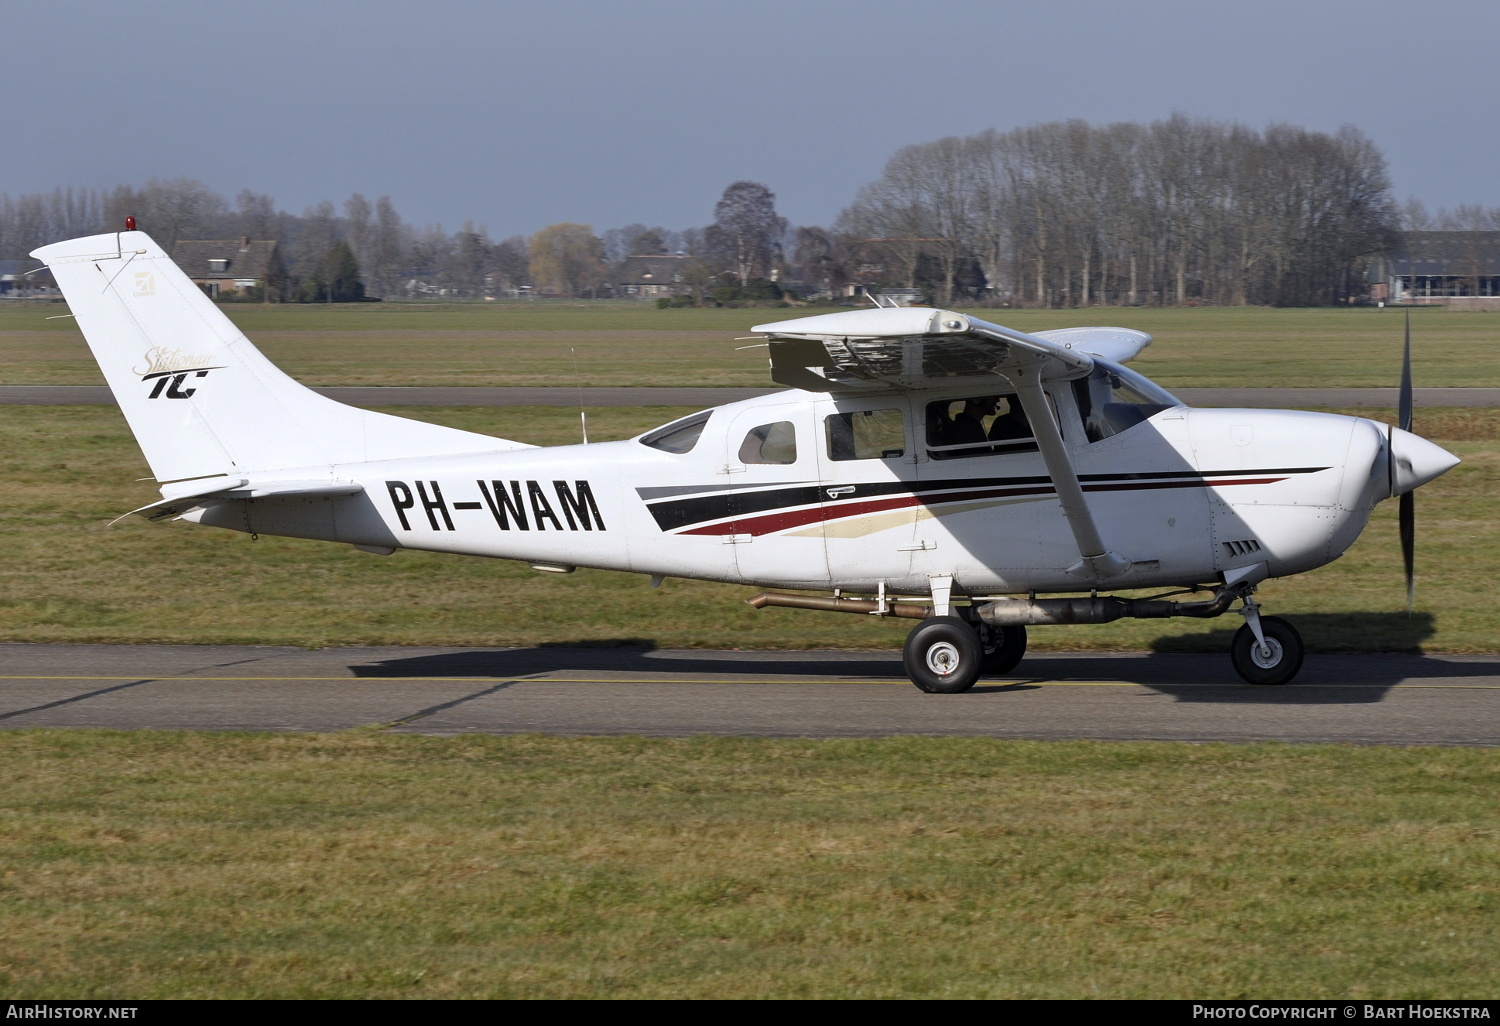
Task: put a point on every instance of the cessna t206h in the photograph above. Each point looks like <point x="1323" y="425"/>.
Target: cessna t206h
<point x="923" y="464"/>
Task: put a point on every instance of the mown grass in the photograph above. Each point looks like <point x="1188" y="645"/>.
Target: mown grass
<point x="621" y="343"/>
<point x="171" y="865"/>
<point x="65" y="576"/>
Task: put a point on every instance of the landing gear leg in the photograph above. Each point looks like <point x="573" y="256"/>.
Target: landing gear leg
<point x="1267" y="650"/>
<point x="943" y="655"/>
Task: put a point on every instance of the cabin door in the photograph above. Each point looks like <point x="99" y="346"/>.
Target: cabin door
<point x="771" y="476"/>
<point x="868" y="476"/>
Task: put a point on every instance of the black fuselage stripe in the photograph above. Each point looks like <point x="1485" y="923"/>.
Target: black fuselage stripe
<point x="674" y="514"/>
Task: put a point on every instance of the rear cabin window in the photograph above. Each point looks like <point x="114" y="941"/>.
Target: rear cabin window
<point x="1113" y="399"/>
<point x="679" y="436"/>
<point x="770" y="443"/>
<point x="984" y="425"/>
<point x="866" y="435"/>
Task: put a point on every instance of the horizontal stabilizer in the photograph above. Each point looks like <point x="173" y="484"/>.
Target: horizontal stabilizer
<point x="231" y="489"/>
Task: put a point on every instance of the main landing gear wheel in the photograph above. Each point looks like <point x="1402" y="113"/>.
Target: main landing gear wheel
<point x="1003" y="648"/>
<point x="943" y="655"/>
<point x="1277" y="666"/>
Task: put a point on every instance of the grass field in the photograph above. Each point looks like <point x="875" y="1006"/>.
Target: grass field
<point x="636" y="344"/>
<point x="158" y="865"/>
<point x="172" y="865"/>
<point x="65" y="576"/>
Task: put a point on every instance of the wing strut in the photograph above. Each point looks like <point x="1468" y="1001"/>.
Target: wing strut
<point x="1098" y="561"/>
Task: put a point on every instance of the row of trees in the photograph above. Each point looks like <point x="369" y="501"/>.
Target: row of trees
<point x="324" y="249"/>
<point x="1179" y="211"/>
<point x="1060" y="214"/>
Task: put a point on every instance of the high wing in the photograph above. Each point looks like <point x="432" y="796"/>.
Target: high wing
<point x="918" y="348"/>
<point x="1118" y="345"/>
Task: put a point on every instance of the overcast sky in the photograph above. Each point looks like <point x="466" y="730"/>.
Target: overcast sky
<point x="520" y="114"/>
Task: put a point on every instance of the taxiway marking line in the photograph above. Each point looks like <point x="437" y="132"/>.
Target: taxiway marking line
<point x="819" y="680"/>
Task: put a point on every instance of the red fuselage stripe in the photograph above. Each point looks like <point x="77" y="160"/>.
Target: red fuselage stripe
<point x="769" y="523"/>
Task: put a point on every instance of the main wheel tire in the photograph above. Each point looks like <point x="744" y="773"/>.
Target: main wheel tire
<point x="1003" y="648"/>
<point x="1285" y="658"/>
<point x="943" y="655"/>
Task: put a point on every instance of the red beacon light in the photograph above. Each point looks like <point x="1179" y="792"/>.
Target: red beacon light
<point x="130" y="224"/>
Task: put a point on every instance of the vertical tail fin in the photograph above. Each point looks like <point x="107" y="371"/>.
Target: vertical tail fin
<point x="201" y="400"/>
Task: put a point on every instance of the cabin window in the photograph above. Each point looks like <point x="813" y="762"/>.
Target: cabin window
<point x="984" y="425"/>
<point x="679" y="436"/>
<point x="1113" y="399"/>
<point x="866" y="435"/>
<point x="770" y="443"/>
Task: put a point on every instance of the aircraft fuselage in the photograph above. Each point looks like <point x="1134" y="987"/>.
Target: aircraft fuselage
<point x="1186" y="494"/>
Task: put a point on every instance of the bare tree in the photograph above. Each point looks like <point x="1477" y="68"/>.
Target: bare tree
<point x="511" y="264"/>
<point x="747" y="231"/>
<point x="468" y="261"/>
<point x="388" y="240"/>
<point x="256" y="215"/>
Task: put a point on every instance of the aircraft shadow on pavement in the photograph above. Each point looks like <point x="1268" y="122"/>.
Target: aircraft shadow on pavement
<point x="1323" y="632"/>
<point x="1339" y="678"/>
<point x="1333" y="640"/>
<point x="629" y="655"/>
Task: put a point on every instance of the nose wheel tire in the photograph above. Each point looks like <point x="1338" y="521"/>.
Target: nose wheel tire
<point x="943" y="655"/>
<point x="1003" y="648"/>
<point x="1279" y="664"/>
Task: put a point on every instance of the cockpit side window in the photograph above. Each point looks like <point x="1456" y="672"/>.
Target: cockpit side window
<point x="1112" y="399"/>
<point x="770" y="443"/>
<point x="985" y="425"/>
<point x="866" y="435"/>
<point x="679" y="436"/>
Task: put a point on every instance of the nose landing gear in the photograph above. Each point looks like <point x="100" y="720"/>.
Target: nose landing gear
<point x="1267" y="650"/>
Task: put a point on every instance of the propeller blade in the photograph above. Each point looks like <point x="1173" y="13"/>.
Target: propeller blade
<point x="1408" y="523"/>
<point x="1407" y="512"/>
<point x="1405" y="401"/>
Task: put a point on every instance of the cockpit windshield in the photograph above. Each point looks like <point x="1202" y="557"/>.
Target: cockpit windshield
<point x="679" y="436"/>
<point x="1113" y="399"/>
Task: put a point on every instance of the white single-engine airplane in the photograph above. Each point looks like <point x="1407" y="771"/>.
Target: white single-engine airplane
<point x="923" y="464"/>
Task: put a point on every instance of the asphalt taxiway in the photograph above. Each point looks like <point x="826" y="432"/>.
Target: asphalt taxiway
<point x="1361" y="699"/>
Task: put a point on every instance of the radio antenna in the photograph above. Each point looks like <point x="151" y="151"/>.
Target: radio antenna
<point x="583" y="417"/>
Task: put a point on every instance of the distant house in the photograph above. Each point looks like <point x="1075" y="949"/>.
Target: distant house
<point x="17" y="283"/>
<point x="1459" y="269"/>
<point x="903" y="297"/>
<point x="646" y="277"/>
<point x="218" y="266"/>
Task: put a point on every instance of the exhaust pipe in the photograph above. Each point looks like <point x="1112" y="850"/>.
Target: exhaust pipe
<point x="909" y="610"/>
<point x="1097" y="609"/>
<point x="1009" y="612"/>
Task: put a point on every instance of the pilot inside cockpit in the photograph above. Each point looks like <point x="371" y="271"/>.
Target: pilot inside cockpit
<point x="1010" y="424"/>
<point x="967" y="428"/>
<point x="979" y="421"/>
